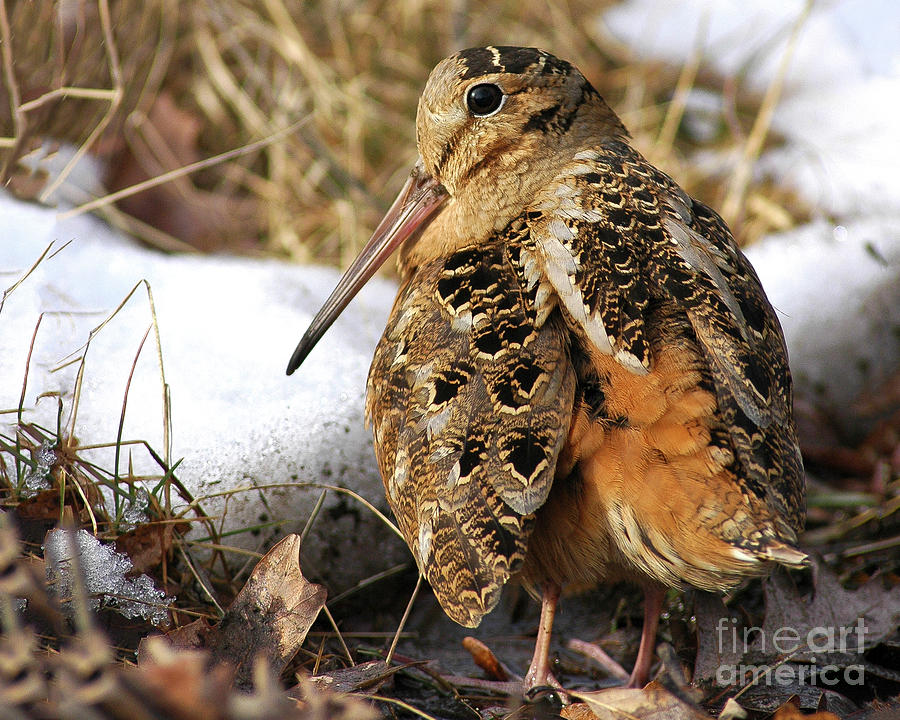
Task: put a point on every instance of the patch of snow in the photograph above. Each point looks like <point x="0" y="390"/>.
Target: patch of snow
<point x="843" y="42"/>
<point x="842" y="89"/>
<point x="37" y="478"/>
<point x="103" y="572"/>
<point x="136" y="510"/>
<point x="227" y="327"/>
<point x="842" y="150"/>
<point x="82" y="181"/>
<point x="836" y="290"/>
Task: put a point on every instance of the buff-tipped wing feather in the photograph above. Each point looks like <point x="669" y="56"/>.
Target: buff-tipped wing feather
<point x="622" y="237"/>
<point x="470" y="403"/>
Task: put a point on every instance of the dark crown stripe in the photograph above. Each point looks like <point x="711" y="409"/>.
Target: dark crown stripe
<point x="479" y="61"/>
<point x="516" y="60"/>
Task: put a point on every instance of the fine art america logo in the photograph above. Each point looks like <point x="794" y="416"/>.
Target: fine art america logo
<point x="822" y="655"/>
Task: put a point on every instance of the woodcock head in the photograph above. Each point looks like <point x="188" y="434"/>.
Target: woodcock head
<point x="489" y="124"/>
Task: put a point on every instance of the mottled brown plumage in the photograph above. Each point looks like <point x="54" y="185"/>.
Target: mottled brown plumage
<point x="581" y="378"/>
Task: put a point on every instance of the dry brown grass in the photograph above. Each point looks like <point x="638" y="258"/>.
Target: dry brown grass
<point x="155" y="86"/>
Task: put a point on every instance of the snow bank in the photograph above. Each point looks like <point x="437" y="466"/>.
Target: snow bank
<point x="227" y="327"/>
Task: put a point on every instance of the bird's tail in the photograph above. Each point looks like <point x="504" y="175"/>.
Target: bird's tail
<point x="784" y="554"/>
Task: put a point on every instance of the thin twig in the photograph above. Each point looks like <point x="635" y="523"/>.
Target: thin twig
<point x="179" y="172"/>
<point x="11" y="288"/>
<point x="338" y="632"/>
<point x="79" y="378"/>
<point x="312" y="516"/>
<point x="362" y="584"/>
<point x="79" y="93"/>
<point x="21" y="406"/>
<point x="121" y="426"/>
<point x="666" y="137"/>
<point x="267" y="486"/>
<point x="18" y="117"/>
<point x="200" y="580"/>
<point x="405" y="706"/>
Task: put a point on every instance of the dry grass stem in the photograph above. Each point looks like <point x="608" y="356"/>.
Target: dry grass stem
<point x="740" y="179"/>
<point x="350" y="76"/>
<point x="402" y="623"/>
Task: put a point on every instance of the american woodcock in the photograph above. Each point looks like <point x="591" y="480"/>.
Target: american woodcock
<point x="581" y="379"/>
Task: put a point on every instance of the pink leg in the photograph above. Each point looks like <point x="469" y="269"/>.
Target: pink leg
<point x="539" y="672"/>
<point x="653" y="600"/>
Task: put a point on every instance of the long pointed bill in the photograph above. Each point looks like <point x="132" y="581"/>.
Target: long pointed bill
<point x="414" y="207"/>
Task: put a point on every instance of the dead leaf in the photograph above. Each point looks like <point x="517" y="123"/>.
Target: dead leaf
<point x="767" y="696"/>
<point x="826" y="632"/>
<point x="833" y="627"/>
<point x="325" y="705"/>
<point x="193" y="636"/>
<point x="148" y="543"/>
<point x="789" y="711"/>
<point x="485" y="659"/>
<point x="168" y="139"/>
<point x="368" y="676"/>
<point x="714" y="648"/>
<point x="577" y="711"/>
<point x="45" y="506"/>
<point x="270" y="615"/>
<point x="181" y="681"/>
<point x="653" y="702"/>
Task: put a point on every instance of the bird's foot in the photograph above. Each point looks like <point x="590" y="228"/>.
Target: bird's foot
<point x="539" y="674"/>
<point x="599" y="655"/>
<point x="637" y="678"/>
<point x="537" y="680"/>
<point x="653" y="601"/>
<point x="501" y="687"/>
<point x="515" y="686"/>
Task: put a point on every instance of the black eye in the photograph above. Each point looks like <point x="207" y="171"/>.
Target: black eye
<point x="484" y="99"/>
